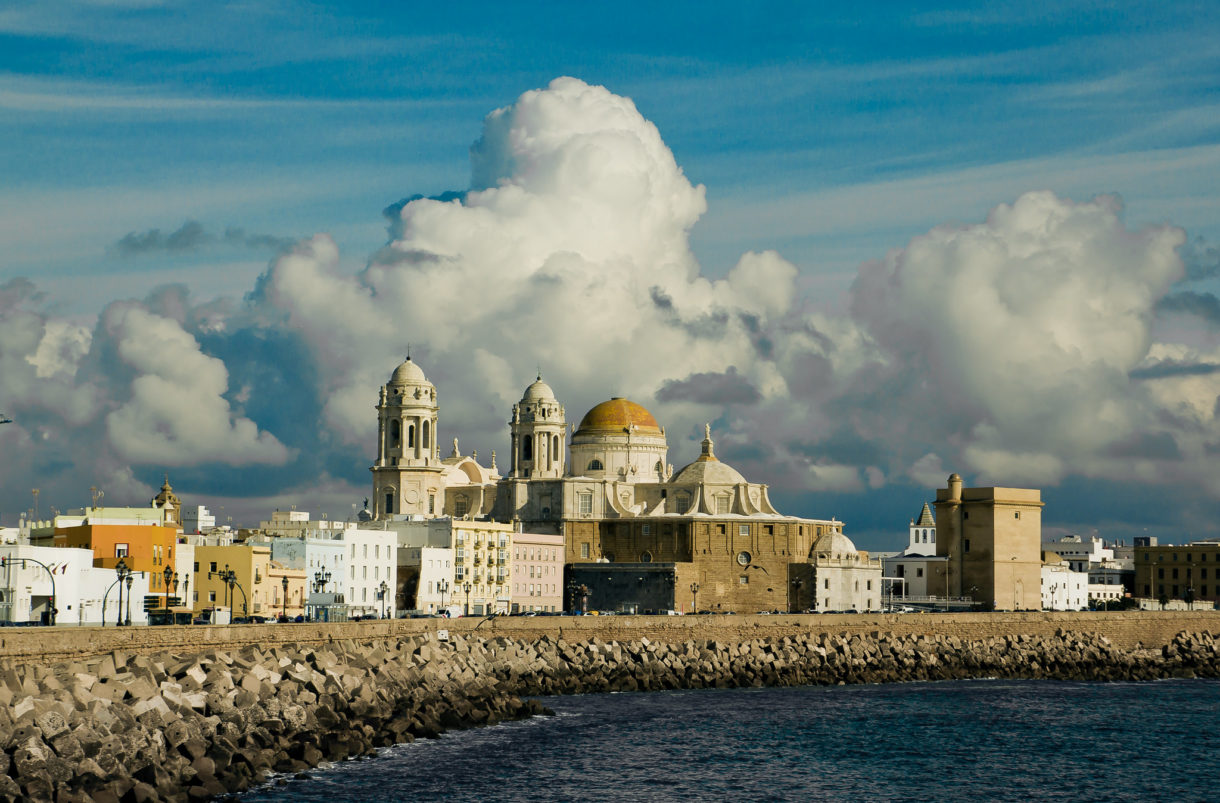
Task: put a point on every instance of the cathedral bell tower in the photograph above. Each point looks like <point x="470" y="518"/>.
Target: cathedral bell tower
<point x="407" y="477"/>
<point x="539" y="434"/>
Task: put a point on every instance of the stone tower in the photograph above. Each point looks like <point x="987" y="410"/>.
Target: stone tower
<point x="539" y="442"/>
<point x="407" y="477"/>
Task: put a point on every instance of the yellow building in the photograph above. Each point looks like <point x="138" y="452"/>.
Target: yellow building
<point x="992" y="538"/>
<point x="250" y="593"/>
<point x="1189" y="572"/>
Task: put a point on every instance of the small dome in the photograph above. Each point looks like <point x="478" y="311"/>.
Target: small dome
<point x="708" y="471"/>
<point x="618" y="414"/>
<point x="538" y="391"/>
<point x="408" y="373"/>
<point x="834" y="543"/>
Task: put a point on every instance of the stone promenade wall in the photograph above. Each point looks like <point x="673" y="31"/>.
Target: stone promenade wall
<point x="179" y="726"/>
<point x="1126" y="629"/>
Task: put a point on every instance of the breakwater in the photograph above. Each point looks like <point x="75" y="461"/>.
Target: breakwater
<point x="175" y="726"/>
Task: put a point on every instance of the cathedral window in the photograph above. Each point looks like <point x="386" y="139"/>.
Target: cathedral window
<point x="410" y="436"/>
<point x="722" y="503"/>
<point x="395" y="432"/>
<point x="460" y="505"/>
<point x="426" y="432"/>
<point x="585" y="501"/>
<point x="389" y="503"/>
<point x="555" y="447"/>
<point x="527" y="449"/>
<point x="595" y="465"/>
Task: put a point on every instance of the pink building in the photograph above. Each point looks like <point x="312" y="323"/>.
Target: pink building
<point x="537" y="572"/>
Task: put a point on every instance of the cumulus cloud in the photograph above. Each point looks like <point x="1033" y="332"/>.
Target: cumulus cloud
<point x="1016" y="349"/>
<point x="176" y="413"/>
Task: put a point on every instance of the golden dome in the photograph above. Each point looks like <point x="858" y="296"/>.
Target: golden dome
<point x="619" y="414"/>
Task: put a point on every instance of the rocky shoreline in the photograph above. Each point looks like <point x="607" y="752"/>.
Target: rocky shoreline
<point x="181" y="727"/>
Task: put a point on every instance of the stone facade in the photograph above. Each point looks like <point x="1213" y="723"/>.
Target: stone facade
<point x="992" y="538"/>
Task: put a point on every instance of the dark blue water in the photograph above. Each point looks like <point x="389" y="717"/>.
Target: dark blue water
<point x="964" y="740"/>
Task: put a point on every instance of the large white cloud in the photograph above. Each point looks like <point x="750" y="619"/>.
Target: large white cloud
<point x="1018" y="349"/>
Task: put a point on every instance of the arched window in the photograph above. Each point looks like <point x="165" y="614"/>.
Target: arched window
<point x="426" y="433"/>
<point x="555" y="448"/>
<point x="395" y="432"/>
<point x="461" y="505"/>
<point x="389" y="502"/>
<point x="595" y="465"/>
<point x="527" y="448"/>
<point x="411" y="436"/>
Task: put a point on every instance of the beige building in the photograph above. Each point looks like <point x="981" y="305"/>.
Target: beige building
<point x="992" y="538"/>
<point x="1189" y="572"/>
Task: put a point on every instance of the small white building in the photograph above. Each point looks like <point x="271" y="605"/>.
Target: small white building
<point x="372" y="571"/>
<point x="34" y="578"/>
<point x="197" y="519"/>
<point x="916" y="571"/>
<point x="1062" y="588"/>
<point x="845" y="578"/>
<point x="1080" y="552"/>
<point x="428" y="578"/>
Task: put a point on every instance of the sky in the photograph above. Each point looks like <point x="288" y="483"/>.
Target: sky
<point x="870" y="245"/>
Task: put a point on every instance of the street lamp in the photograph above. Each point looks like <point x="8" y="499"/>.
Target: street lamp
<point x="443" y="587"/>
<point x="381" y="595"/>
<point x="467" y="587"/>
<point x="694" y="597"/>
<point x="128" y="583"/>
<point x="120" y="569"/>
<point x="284" y="582"/>
<point x="168" y="574"/>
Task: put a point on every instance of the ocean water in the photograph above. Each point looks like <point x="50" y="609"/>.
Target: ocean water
<point x="976" y="740"/>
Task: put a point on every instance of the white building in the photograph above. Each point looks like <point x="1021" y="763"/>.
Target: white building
<point x="428" y="578"/>
<point x="316" y="547"/>
<point x="1080" y="552"/>
<point x="845" y="579"/>
<point x="372" y="571"/>
<point x="197" y="519"/>
<point x="1062" y="588"/>
<point x="33" y="578"/>
<point x="916" y="572"/>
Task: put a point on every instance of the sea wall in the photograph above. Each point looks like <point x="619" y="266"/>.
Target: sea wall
<point x="188" y="726"/>
<point x="1125" y="629"/>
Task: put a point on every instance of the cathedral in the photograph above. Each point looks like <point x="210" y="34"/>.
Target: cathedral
<point x="608" y="488"/>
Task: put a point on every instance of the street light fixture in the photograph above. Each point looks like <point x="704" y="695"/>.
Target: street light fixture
<point x="284" y="582"/>
<point x="467" y="587"/>
<point x="168" y="574"/>
<point x="694" y="597"/>
<point x="128" y="583"/>
<point x="443" y="587"/>
<point x="121" y="570"/>
<point x="381" y="589"/>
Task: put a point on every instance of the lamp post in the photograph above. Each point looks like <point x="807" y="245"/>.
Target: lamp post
<point x="467" y="587"/>
<point x="284" y="582"/>
<point x="694" y="597"/>
<point x="168" y="574"/>
<point x="120" y="569"/>
<point x="186" y="591"/>
<point x="381" y="595"/>
<point x="443" y="587"/>
<point x="127" y="620"/>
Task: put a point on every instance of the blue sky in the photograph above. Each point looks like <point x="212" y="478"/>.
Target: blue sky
<point x="829" y="134"/>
